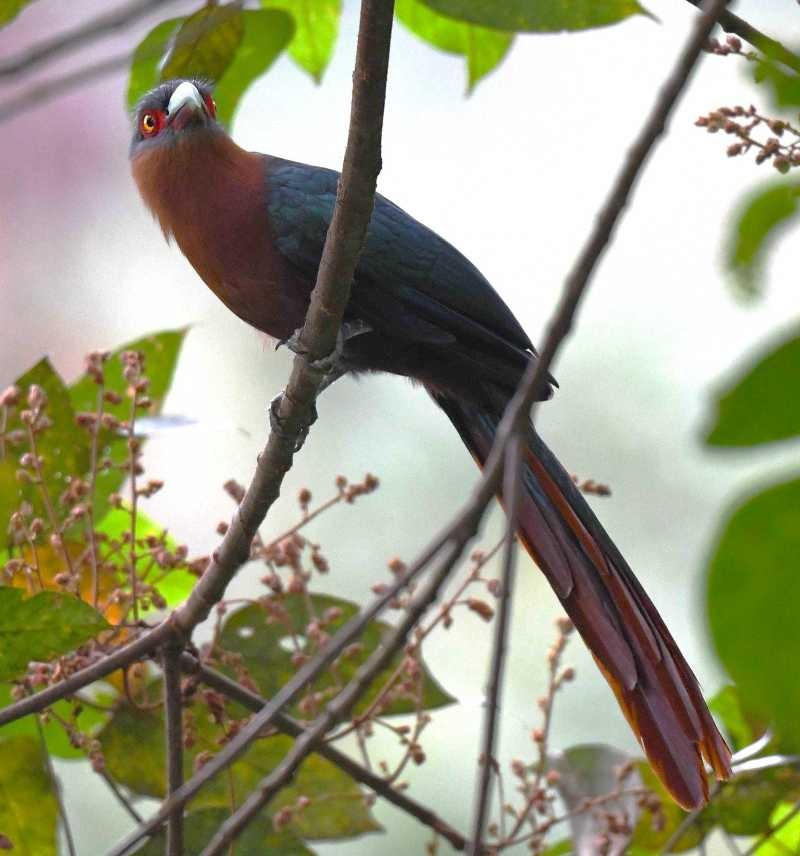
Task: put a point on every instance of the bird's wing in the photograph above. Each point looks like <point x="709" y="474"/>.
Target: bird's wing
<point x="408" y="278"/>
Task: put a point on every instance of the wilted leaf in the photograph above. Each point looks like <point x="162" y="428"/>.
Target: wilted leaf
<point x="316" y="29"/>
<point x="28" y="808"/>
<point x="753" y="590"/>
<point x="42" y="627"/>
<point x="544" y="16"/>
<point x="754" y="407"/>
<point x="266" y="647"/>
<point x="483" y="49"/>
<point x="88" y="720"/>
<point x="267" y="33"/>
<point x="593" y="771"/>
<point x="205" y="44"/>
<point x="133" y="748"/>
<point x="257" y="838"/>
<point x="9" y="9"/>
<point x="63" y="446"/>
<point x="760" y="220"/>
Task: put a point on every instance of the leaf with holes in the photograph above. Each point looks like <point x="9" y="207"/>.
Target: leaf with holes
<point x="761" y="218"/>
<point x="42" y="627"/>
<point x="205" y="44"/>
<point x="267" y="637"/>
<point x="752" y="592"/>
<point x="754" y="407"/>
<point x="482" y="48"/>
<point x="28" y="808"/>
<point x="316" y="29"/>
<point x="133" y="749"/>
<point x="544" y="16"/>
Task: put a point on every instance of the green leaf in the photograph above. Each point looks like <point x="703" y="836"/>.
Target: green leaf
<point x="9" y="9"/>
<point x="258" y="837"/>
<point x="42" y="627"/>
<point x="267" y="33"/>
<point x="63" y="446"/>
<point x="28" y="808"/>
<point x="542" y="16"/>
<point x="144" y="73"/>
<point x="205" y="44"/>
<point x="744" y="806"/>
<point x="590" y="771"/>
<point x="559" y="848"/>
<point x="727" y="706"/>
<point x="88" y="721"/>
<point x="264" y="639"/>
<point x="760" y="220"/>
<point x="483" y="49"/>
<point x="316" y="29"/>
<point x="754" y="408"/>
<point x="785" y="840"/>
<point x="753" y="588"/>
<point x="133" y="749"/>
<point x="783" y="85"/>
<point x="654" y="830"/>
<point x="161" y="352"/>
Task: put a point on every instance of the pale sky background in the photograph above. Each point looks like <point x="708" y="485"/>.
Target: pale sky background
<point x="512" y="176"/>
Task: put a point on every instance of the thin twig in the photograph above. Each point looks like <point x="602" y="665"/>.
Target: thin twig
<point x="121" y="798"/>
<point x="77" y="37"/>
<point x="293" y="728"/>
<point x="511" y="497"/>
<point x="41" y="93"/>
<point x="775" y="50"/>
<point x="789" y="816"/>
<point x="336" y="710"/>
<point x="173" y="733"/>
<point x="48" y="761"/>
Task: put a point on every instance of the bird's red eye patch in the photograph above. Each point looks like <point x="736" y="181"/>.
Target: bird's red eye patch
<point x="211" y="106"/>
<point x="151" y="122"/>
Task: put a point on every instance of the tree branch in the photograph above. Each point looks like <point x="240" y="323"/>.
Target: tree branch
<point x="337" y="709"/>
<point x="293" y="728"/>
<point x="511" y="496"/>
<point x="773" y="49"/>
<point x="55" y="46"/>
<point x="173" y="734"/>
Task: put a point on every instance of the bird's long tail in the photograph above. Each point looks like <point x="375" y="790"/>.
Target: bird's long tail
<point x="653" y="683"/>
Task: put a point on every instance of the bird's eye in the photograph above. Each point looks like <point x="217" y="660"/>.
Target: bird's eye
<point x="149" y="124"/>
<point x="211" y="106"/>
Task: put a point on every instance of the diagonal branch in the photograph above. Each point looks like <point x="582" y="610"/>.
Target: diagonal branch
<point x="773" y="49"/>
<point x="511" y="499"/>
<point x="77" y="37"/>
<point x="293" y="728"/>
<point x="337" y="709"/>
<point x="173" y="734"/>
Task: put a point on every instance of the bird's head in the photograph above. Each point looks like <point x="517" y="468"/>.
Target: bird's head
<point x="172" y="113"/>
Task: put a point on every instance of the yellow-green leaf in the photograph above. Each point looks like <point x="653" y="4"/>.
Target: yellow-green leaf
<point x="538" y="16"/>
<point x="316" y="28"/>
<point x="42" y="627"/>
<point x="482" y="48"/>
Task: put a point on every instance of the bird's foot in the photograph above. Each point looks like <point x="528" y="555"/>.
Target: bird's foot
<point x="331" y="365"/>
<point x="277" y="424"/>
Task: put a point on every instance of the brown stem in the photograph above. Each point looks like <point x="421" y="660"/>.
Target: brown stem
<point x="173" y="733"/>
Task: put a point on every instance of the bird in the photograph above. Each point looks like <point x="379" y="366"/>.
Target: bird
<point x="253" y="227"/>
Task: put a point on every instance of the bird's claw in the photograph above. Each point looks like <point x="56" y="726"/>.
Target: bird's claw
<point x="331" y="366"/>
<point x="277" y="426"/>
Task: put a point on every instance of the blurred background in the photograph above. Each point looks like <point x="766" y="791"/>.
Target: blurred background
<point x="511" y="175"/>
